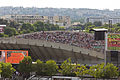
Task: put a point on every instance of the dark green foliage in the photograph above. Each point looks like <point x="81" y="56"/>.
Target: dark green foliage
<point x="13" y="24"/>
<point x="97" y="23"/>
<point x="25" y="66"/>
<point x="51" y="67"/>
<point x="88" y="24"/>
<point x="3" y="22"/>
<point x="14" y="28"/>
<point x="40" y="68"/>
<point x="3" y="35"/>
<point x="39" y="26"/>
<point x="10" y="31"/>
<point x="27" y="26"/>
<point x="67" y="68"/>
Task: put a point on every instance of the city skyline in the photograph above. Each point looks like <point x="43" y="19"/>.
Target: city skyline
<point x="92" y="4"/>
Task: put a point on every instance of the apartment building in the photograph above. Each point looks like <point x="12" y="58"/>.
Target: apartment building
<point x="104" y="20"/>
<point x="60" y="20"/>
<point x="57" y="20"/>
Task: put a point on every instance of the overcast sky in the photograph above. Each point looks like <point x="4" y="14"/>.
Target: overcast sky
<point x="94" y="4"/>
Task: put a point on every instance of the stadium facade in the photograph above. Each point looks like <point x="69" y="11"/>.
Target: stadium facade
<point x="45" y="50"/>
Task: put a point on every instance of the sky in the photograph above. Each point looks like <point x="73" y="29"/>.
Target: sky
<point x="93" y="4"/>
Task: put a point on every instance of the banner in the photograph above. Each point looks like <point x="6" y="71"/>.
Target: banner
<point x="12" y="56"/>
<point x="15" y="57"/>
<point x="113" y="41"/>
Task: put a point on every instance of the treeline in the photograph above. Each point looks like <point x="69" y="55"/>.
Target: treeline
<point x="111" y="27"/>
<point x="50" y="68"/>
<point x="97" y="24"/>
<point x="14" y="28"/>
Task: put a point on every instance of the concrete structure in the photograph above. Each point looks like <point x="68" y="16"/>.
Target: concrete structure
<point x="104" y="20"/>
<point x="59" y="20"/>
<point x="45" y="50"/>
<point x="111" y="59"/>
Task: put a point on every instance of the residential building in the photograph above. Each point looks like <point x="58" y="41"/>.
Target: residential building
<point x="104" y="20"/>
<point x="57" y="20"/>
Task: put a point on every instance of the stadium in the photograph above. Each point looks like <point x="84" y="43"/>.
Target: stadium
<point x="58" y="45"/>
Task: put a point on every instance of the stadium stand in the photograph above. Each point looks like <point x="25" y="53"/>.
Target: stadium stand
<point x="79" y="39"/>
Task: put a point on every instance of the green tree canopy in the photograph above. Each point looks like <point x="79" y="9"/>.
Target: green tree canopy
<point x="39" y="26"/>
<point x="81" y="70"/>
<point x="3" y="22"/>
<point x="67" y="68"/>
<point x="51" y="67"/>
<point x="88" y="24"/>
<point x="10" y="31"/>
<point x="97" y="23"/>
<point x="14" y="24"/>
<point x="27" y="26"/>
<point x="3" y="35"/>
<point x="40" y="68"/>
<point x="25" y="66"/>
<point x="110" y="71"/>
<point x="102" y="71"/>
<point x="97" y="70"/>
<point x="7" y="70"/>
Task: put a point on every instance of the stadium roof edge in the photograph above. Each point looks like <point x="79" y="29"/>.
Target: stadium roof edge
<point x="100" y="29"/>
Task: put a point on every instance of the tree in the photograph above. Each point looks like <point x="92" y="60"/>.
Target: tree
<point x="88" y="24"/>
<point x="39" y="26"/>
<point x="25" y="31"/>
<point x="67" y="68"/>
<point x="0" y="68"/>
<point x="3" y="35"/>
<point x="40" y="68"/>
<point x="118" y="24"/>
<point x="51" y="67"/>
<point x="27" y="26"/>
<point x="97" y="70"/>
<point x="110" y="71"/>
<point x="13" y="24"/>
<point x="102" y="71"/>
<point x="25" y="66"/>
<point x="3" y="22"/>
<point x="61" y="28"/>
<point x="81" y="70"/>
<point x="7" y="70"/>
<point x="97" y="23"/>
<point x="10" y="31"/>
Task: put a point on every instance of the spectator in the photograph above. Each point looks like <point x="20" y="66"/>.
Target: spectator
<point x="79" y="39"/>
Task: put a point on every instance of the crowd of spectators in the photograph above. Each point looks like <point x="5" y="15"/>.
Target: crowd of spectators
<point x="79" y="39"/>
